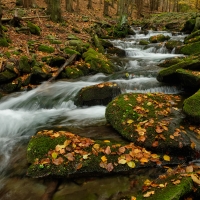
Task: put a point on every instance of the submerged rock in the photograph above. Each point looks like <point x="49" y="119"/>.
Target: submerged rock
<point x="100" y="94"/>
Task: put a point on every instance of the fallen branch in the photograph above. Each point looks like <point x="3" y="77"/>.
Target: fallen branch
<point x="23" y="18"/>
<point x="67" y="62"/>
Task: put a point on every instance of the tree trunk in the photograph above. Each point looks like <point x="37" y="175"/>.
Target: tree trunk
<point x="1" y="29"/>
<point x="89" y="6"/>
<point x="54" y="10"/>
<point x="27" y="3"/>
<point x="69" y="5"/>
<point x="106" y="8"/>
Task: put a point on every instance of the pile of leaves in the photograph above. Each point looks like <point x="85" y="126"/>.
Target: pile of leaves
<point x="65" y="154"/>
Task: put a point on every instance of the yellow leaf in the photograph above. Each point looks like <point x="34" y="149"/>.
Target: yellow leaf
<point x="133" y="198"/>
<point x="189" y="169"/>
<point x="96" y="146"/>
<point x="176" y="182"/>
<point x="147" y="182"/>
<point x="129" y="121"/>
<point x="149" y="104"/>
<point x="107" y="141"/>
<point x="195" y="179"/>
<point x="104" y="159"/>
<point x="143" y="160"/>
<point x="54" y="155"/>
<point x="122" y="161"/>
<point x="148" y="194"/>
<point x="131" y="164"/>
<point x="166" y="158"/>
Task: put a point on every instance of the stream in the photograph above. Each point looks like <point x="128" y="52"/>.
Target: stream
<point x="51" y="106"/>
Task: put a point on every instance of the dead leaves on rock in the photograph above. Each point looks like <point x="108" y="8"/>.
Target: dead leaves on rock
<point x="78" y="149"/>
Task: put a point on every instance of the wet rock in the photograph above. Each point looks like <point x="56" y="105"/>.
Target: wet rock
<point x="116" y="51"/>
<point x="100" y="94"/>
<point x="158" y="38"/>
<point x="189" y="49"/>
<point x="72" y="72"/>
<point x="169" y="74"/>
<point x="191" y="107"/>
<point x="173" y="44"/>
<point x="189" y="79"/>
<point x="38" y="75"/>
<point x="7" y="76"/>
<point x="146" y="120"/>
<point x="66" y="155"/>
<point x="54" y="61"/>
<point x="189" y="25"/>
<point x="144" y="42"/>
<point x="98" y="62"/>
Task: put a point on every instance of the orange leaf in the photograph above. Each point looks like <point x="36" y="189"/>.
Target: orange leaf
<point x="176" y="182"/>
<point x="58" y="161"/>
<point x="144" y="160"/>
<point x="70" y="157"/>
<point x="109" y="167"/>
<point x="189" y="169"/>
<point x="155" y="144"/>
<point x="107" y="150"/>
<point x="159" y="129"/>
<point x="121" y="149"/>
<point x="148" y="194"/>
<point x="78" y="166"/>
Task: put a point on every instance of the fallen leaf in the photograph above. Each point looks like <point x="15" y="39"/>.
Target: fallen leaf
<point x="70" y="156"/>
<point x="195" y="179"/>
<point x="54" y="155"/>
<point x="176" y="182"/>
<point x="78" y="166"/>
<point x="109" y="167"/>
<point x="147" y="182"/>
<point x="104" y="159"/>
<point x="148" y="194"/>
<point x="107" y="150"/>
<point x="155" y="144"/>
<point x="58" y="161"/>
<point x="189" y="169"/>
<point x="129" y="121"/>
<point x="131" y="164"/>
<point x="166" y="158"/>
<point x="144" y="160"/>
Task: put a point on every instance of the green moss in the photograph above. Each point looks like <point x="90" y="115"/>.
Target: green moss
<point x="71" y="51"/>
<point x="46" y="49"/>
<point x="24" y="65"/>
<point x="190" y="38"/>
<point x="191" y="107"/>
<point x="128" y="114"/>
<point x="98" y="62"/>
<point x="172" y="44"/>
<point x="73" y="72"/>
<point x="144" y="42"/>
<point x="7" y="76"/>
<point x="3" y="42"/>
<point x="170" y="62"/>
<point x="158" y="38"/>
<point x="189" y="49"/>
<point x="33" y="28"/>
<point x="169" y="74"/>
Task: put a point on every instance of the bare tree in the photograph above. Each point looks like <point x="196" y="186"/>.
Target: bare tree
<point x="69" y="5"/>
<point x="1" y="29"/>
<point x="54" y="10"/>
<point x="27" y="3"/>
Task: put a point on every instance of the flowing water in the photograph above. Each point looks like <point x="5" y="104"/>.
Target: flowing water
<point x="51" y="106"/>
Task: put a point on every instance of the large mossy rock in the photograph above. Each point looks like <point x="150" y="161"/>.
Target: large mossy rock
<point x="100" y="94"/>
<point x="189" y="25"/>
<point x="171" y="44"/>
<point x="7" y="76"/>
<point x="191" y="48"/>
<point x="98" y="62"/>
<point x="145" y="120"/>
<point x="189" y="79"/>
<point x="38" y="75"/>
<point x="78" y="45"/>
<point x="63" y="154"/>
<point x="24" y="65"/>
<point x="34" y="29"/>
<point x="193" y="37"/>
<point x="191" y="107"/>
<point x="54" y="61"/>
<point x="169" y="74"/>
<point x="158" y="38"/>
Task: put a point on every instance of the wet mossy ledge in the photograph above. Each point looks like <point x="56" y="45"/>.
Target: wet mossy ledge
<point x="149" y="120"/>
<point x="64" y="154"/>
<point x="158" y="38"/>
<point x="191" y="107"/>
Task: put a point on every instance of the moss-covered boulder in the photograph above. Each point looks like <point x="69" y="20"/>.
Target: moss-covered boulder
<point x="145" y="120"/>
<point x="54" y="61"/>
<point x="45" y="48"/>
<point x="38" y="75"/>
<point x="169" y="62"/>
<point x="73" y="72"/>
<point x="78" y="45"/>
<point x="100" y="94"/>
<point x="24" y="65"/>
<point x="7" y="76"/>
<point x="34" y="29"/>
<point x="12" y="87"/>
<point x="169" y="74"/>
<point x="193" y="37"/>
<point x="189" y="79"/>
<point x="144" y="42"/>
<point x="3" y="42"/>
<point x="98" y="62"/>
<point x="158" y="38"/>
<point x="171" y="44"/>
<point x="98" y="44"/>
<point x="189" y="25"/>
<point x="63" y="154"/>
<point x="191" y="48"/>
<point x="191" y="107"/>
